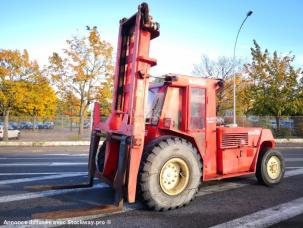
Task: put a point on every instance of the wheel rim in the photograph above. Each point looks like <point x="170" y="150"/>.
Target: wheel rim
<point x="174" y="176"/>
<point x="274" y="167"/>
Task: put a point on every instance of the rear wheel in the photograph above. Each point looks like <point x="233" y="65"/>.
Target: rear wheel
<point x="170" y="174"/>
<point x="270" y="167"/>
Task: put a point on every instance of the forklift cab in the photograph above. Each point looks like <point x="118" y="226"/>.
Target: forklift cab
<point x="168" y="106"/>
<point x="179" y="107"/>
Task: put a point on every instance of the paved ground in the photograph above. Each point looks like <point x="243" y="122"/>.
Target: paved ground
<point x="57" y="134"/>
<point x="230" y="203"/>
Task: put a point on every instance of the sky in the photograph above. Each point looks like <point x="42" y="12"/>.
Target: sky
<point x="188" y="28"/>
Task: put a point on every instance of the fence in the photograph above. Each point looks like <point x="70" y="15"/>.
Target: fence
<point x="285" y="127"/>
<point x="62" y="128"/>
<point x="28" y="122"/>
<point x="57" y="128"/>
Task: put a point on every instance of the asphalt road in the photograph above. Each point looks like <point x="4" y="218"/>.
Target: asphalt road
<point x="229" y="203"/>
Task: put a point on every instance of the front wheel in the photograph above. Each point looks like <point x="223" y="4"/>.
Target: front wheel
<point x="170" y="174"/>
<point x="270" y="167"/>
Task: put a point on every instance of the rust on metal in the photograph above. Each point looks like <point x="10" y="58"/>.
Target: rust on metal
<point x="57" y="187"/>
<point x="79" y="212"/>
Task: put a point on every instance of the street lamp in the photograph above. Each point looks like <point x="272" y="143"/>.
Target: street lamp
<point x="249" y="13"/>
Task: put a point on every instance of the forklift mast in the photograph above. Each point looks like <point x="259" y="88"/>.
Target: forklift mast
<point x="126" y="124"/>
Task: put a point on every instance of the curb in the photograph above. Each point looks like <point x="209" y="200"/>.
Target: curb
<point x="49" y="143"/>
<point x="87" y="143"/>
<point x="289" y="140"/>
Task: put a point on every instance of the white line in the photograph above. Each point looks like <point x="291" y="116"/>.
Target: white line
<point x="44" y="164"/>
<point x="41" y="158"/>
<point x="76" y="155"/>
<point x="294" y="172"/>
<point x="55" y="223"/>
<point x="21" y="180"/>
<point x="203" y="191"/>
<point x="67" y="163"/>
<point x="31" y="195"/>
<point x="53" y="173"/>
<point x="220" y="188"/>
<point x="292" y="147"/>
<point x="293" y="159"/>
<point x="35" y="156"/>
<point x="267" y="217"/>
<point x="233" y="185"/>
<point x="128" y="207"/>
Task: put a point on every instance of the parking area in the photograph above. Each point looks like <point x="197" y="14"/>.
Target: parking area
<point x="229" y="203"/>
<point x="38" y="135"/>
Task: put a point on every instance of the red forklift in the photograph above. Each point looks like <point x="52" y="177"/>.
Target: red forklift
<point x="161" y="139"/>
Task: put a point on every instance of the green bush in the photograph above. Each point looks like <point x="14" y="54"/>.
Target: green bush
<point x="282" y="133"/>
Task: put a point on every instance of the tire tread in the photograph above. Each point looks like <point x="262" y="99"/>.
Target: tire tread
<point x="149" y="154"/>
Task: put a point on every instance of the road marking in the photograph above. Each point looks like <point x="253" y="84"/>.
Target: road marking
<point x="21" y="180"/>
<point x="53" y="173"/>
<point x="128" y="207"/>
<point x="233" y="185"/>
<point x="291" y="147"/>
<point x="32" y="195"/>
<point x="203" y="191"/>
<point x="219" y="188"/>
<point x="293" y="159"/>
<point x="66" y="154"/>
<point x="42" y="158"/>
<point x="44" y="164"/>
<point x="51" y="223"/>
<point x="294" y="172"/>
<point x="267" y="217"/>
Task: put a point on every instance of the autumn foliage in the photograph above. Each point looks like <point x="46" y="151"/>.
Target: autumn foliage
<point x="23" y="89"/>
<point x="84" y="71"/>
<point x="274" y="85"/>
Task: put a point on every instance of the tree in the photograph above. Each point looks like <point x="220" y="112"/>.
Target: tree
<point x="15" y="69"/>
<point x="86" y="62"/>
<point x="222" y="68"/>
<point x="104" y="96"/>
<point x="274" y="84"/>
<point x="39" y="98"/>
<point x="70" y="106"/>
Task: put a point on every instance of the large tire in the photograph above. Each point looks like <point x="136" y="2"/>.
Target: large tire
<point x="100" y="156"/>
<point x="170" y="173"/>
<point x="270" y="167"/>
